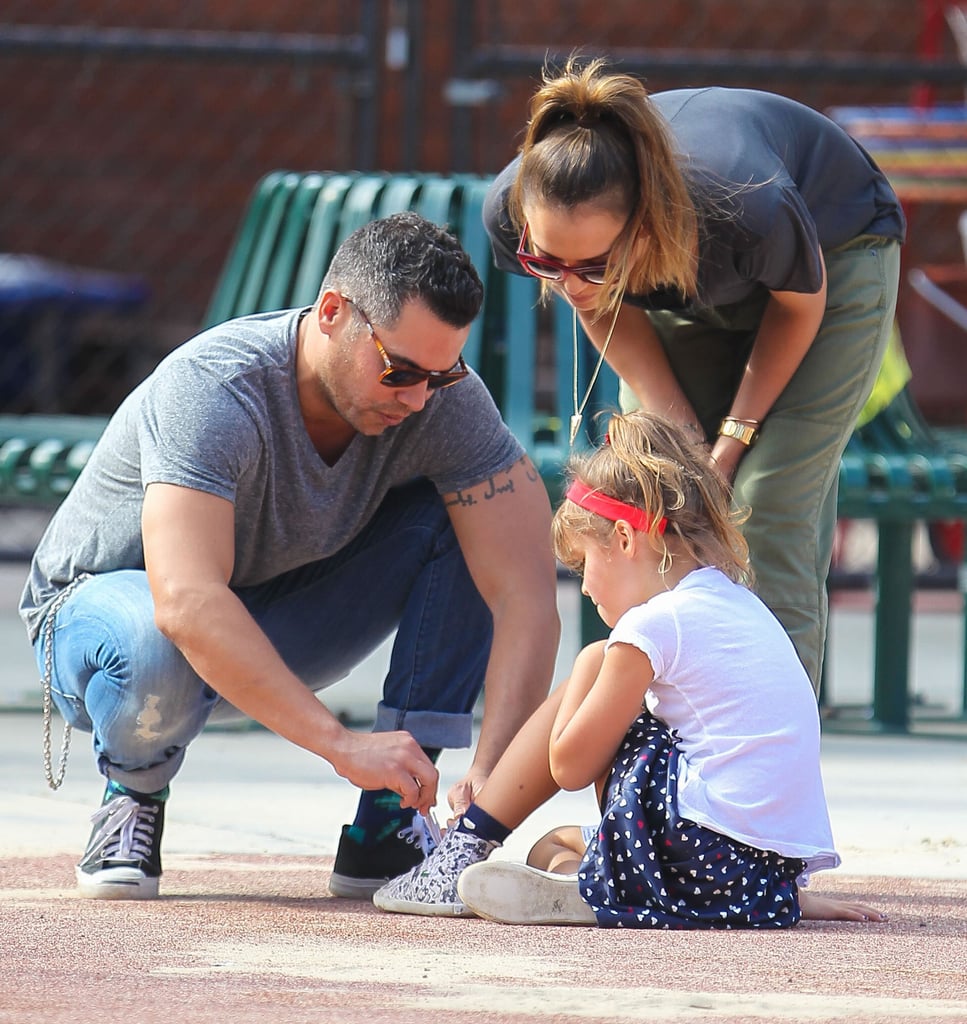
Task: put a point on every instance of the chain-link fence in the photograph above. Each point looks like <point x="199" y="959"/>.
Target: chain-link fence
<point x="132" y="134"/>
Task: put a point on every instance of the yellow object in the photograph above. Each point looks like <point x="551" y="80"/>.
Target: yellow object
<point x="893" y="377"/>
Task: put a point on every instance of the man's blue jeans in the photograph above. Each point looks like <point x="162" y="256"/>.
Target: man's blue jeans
<point x="117" y="676"/>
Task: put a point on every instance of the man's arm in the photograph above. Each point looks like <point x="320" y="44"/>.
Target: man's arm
<point x="189" y="552"/>
<point x="503" y="526"/>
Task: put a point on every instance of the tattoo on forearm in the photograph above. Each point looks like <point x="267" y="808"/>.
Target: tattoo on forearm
<point x="502" y="483"/>
<point x="493" y="488"/>
<point x="461" y="498"/>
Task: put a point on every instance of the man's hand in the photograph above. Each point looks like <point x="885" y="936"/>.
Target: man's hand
<point x="388" y="760"/>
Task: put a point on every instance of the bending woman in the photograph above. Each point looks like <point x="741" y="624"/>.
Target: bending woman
<point x="735" y="255"/>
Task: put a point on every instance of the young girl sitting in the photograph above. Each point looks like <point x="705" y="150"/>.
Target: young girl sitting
<point x="713" y="810"/>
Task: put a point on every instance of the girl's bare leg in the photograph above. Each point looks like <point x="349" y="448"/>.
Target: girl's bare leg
<point x="521" y="780"/>
<point x="561" y="850"/>
<point x="825" y="908"/>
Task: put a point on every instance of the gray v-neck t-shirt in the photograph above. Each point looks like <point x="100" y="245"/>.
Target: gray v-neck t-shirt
<point x="221" y="415"/>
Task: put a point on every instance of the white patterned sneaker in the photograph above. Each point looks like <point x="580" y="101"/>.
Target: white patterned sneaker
<point x="519" y="894"/>
<point x="430" y="889"/>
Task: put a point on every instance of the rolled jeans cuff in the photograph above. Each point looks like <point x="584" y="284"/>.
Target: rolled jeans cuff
<point x="438" y="729"/>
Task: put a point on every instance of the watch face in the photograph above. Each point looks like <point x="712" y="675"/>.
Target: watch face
<point x="740" y="431"/>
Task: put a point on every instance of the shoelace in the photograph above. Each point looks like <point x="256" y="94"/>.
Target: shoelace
<point x="125" y="831"/>
<point x="424" y="832"/>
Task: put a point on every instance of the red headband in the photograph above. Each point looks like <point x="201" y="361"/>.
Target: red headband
<point x="611" y="508"/>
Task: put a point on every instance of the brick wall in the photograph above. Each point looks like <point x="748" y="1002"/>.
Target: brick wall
<point x="143" y="162"/>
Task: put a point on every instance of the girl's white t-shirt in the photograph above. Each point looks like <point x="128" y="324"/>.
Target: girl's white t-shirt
<point x="730" y="687"/>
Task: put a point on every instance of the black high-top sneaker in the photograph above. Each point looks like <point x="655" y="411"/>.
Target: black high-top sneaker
<point x="361" y="867"/>
<point x="123" y="856"/>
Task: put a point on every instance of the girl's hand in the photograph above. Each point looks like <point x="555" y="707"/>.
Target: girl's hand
<point x="462" y="794"/>
<point x="825" y="908"/>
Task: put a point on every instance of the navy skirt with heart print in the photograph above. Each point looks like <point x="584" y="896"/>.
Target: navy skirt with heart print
<point x="648" y="868"/>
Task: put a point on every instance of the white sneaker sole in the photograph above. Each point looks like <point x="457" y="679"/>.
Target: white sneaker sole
<point x="383" y="901"/>
<point x="518" y="894"/>
<point x="116" y="884"/>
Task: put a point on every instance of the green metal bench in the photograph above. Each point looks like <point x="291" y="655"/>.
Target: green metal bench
<point x="41" y="456"/>
<point x="894" y="472"/>
<point x="897" y="471"/>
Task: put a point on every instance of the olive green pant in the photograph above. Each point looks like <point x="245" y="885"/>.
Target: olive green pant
<point x="788" y="479"/>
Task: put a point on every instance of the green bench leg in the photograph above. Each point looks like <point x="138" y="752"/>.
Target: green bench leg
<point x="894" y="605"/>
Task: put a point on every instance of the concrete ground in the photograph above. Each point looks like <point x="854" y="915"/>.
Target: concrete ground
<point x="246" y="931"/>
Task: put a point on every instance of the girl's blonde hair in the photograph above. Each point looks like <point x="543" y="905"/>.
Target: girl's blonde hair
<point x="596" y="138"/>
<point x="655" y="465"/>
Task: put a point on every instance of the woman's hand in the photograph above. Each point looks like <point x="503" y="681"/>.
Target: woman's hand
<point x="726" y="455"/>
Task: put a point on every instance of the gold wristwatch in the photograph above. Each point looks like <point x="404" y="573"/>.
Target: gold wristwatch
<point x="744" y="433"/>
